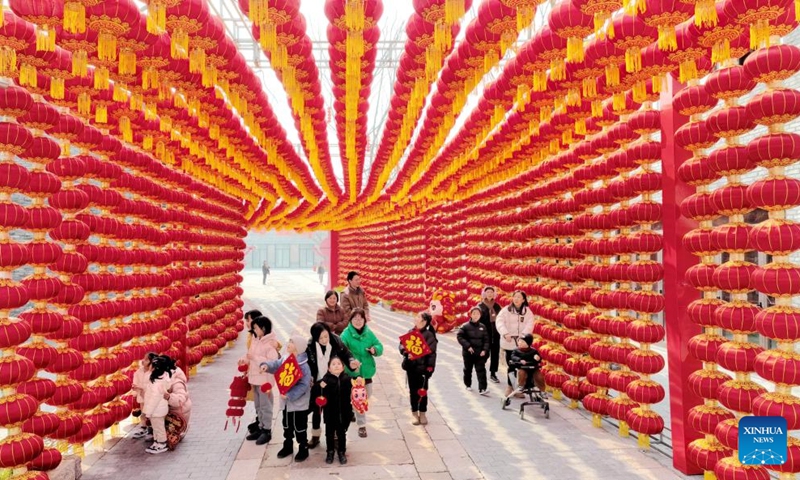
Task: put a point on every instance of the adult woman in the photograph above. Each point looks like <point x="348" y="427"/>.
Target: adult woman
<point x="513" y="322"/>
<point x="322" y="346"/>
<point x="420" y="370"/>
<point x="180" y="407"/>
<point x="332" y="314"/>
<point x="364" y="346"/>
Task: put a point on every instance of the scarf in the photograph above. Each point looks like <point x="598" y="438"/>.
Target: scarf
<point x="323" y="357"/>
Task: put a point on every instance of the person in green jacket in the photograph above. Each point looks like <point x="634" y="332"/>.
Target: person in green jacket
<point x="364" y="346"/>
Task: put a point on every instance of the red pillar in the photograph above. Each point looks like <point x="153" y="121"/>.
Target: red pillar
<point x="678" y="293"/>
<point x="333" y="268"/>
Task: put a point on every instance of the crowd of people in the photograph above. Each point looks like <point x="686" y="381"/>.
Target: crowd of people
<point x="339" y="354"/>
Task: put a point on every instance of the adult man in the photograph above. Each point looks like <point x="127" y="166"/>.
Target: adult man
<point x="321" y="272"/>
<point x="265" y="271"/>
<point x="354" y="296"/>
<point x="489" y="311"/>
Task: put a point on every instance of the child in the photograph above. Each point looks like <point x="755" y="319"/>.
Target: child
<point x="141" y="378"/>
<point x="156" y="405"/>
<point x="419" y="371"/>
<point x="336" y="387"/>
<point x="474" y="340"/>
<point x="526" y="359"/>
<point x="295" y="403"/>
<point x="263" y="348"/>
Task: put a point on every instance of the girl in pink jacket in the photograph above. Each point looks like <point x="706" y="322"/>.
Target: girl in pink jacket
<point x="263" y="348"/>
<point x="141" y="380"/>
<point x="156" y="403"/>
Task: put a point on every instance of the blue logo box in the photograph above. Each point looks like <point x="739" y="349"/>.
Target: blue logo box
<point x="762" y="440"/>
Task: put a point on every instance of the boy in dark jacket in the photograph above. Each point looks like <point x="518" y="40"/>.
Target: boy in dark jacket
<point x="336" y="387"/>
<point x="474" y="339"/>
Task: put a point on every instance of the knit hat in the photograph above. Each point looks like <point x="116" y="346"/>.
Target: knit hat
<point x="483" y="292"/>
<point x="300" y="342"/>
<point x="527" y="338"/>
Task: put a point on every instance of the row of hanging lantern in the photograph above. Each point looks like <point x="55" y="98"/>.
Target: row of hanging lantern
<point x="281" y="31"/>
<point x="431" y="31"/>
<point x="353" y="34"/>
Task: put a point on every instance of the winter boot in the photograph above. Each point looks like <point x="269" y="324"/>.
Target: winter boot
<point x="302" y="453"/>
<point x="253" y="427"/>
<point x="423" y="420"/>
<point x="329" y="457"/>
<point x="414" y="418"/>
<point x="286" y="450"/>
<point x="342" y="458"/>
<point x="264" y="437"/>
<point x="253" y="435"/>
<point x="313" y="443"/>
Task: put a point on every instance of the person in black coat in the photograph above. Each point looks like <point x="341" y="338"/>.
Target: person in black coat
<point x="336" y="386"/>
<point x="489" y="312"/>
<point x="323" y="346"/>
<point x="420" y="370"/>
<point x="474" y="339"/>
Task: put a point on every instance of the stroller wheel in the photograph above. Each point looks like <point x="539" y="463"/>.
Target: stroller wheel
<point x="547" y="411"/>
<point x="504" y="402"/>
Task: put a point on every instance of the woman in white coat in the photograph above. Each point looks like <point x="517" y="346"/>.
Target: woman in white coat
<point x="513" y="322"/>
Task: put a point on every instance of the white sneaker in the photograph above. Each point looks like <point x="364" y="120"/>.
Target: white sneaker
<point x="156" y="448"/>
<point x="469" y="389"/>
<point x="485" y="393"/>
<point x="140" y="431"/>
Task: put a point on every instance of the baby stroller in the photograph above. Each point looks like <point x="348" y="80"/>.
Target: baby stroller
<point x="522" y="381"/>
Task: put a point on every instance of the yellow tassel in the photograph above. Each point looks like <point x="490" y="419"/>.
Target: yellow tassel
<point x="147" y="143"/>
<point x="160" y="150"/>
<point x="453" y="11"/>
<point x="558" y="70"/>
<point x="721" y="51"/>
<point x="624" y="430"/>
<point x="644" y="441"/>
<point x="127" y="62"/>
<point x="258" y="12"/>
<point x="80" y="63"/>
<point x="27" y="76"/>
<point x="107" y="47"/>
<point x="639" y="92"/>
<point x="57" y="88"/>
<point x="119" y="94"/>
<point x="179" y="46"/>
<point x="74" y="17"/>
<point x="658" y="82"/>
<point x="597" y="420"/>
<point x="580" y="126"/>
<point x="600" y="19"/>
<point x="84" y="104"/>
<point x="101" y="78"/>
<point x="709" y="475"/>
<point x="667" y="38"/>
<point x="574" y="49"/>
<point x="45" y="39"/>
<point x="354" y="15"/>
<point x="612" y="75"/>
<point x="539" y="81"/>
<point x="705" y="13"/>
<point x="633" y="60"/>
<point x="555" y="146"/>
<point x="125" y="128"/>
<point x="101" y="114"/>
<point x="156" y="17"/>
<point x="136" y="101"/>
<point x="796" y="8"/>
<point x="619" y="101"/>
<point x="566" y="137"/>
<point x="524" y="17"/>
<point x="759" y="34"/>
<point x="688" y="71"/>
<point x="2" y="15"/>
<point x="597" y="109"/>
<point x="8" y="61"/>
<point x="197" y="60"/>
<point x="589" y="87"/>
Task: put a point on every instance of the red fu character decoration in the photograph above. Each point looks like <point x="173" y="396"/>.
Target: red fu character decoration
<point x="415" y="345"/>
<point x="288" y="374"/>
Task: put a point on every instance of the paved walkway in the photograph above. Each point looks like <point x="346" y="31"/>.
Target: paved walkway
<point x="469" y="436"/>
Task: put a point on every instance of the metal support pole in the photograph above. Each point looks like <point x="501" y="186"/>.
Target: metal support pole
<point x="678" y="293"/>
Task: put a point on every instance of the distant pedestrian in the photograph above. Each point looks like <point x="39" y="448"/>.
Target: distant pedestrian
<point x="321" y="273"/>
<point x="420" y="370"/>
<point x="489" y="310"/>
<point x="354" y="296"/>
<point x="474" y="341"/>
<point x="265" y="271"/>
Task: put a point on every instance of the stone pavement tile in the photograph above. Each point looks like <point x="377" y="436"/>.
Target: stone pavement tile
<point x="435" y="476"/>
<point x="427" y="461"/>
<point x="244" y="469"/>
<point x="250" y="451"/>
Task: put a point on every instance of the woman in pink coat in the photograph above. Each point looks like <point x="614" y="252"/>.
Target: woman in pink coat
<point x="178" y="397"/>
<point x="263" y="348"/>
